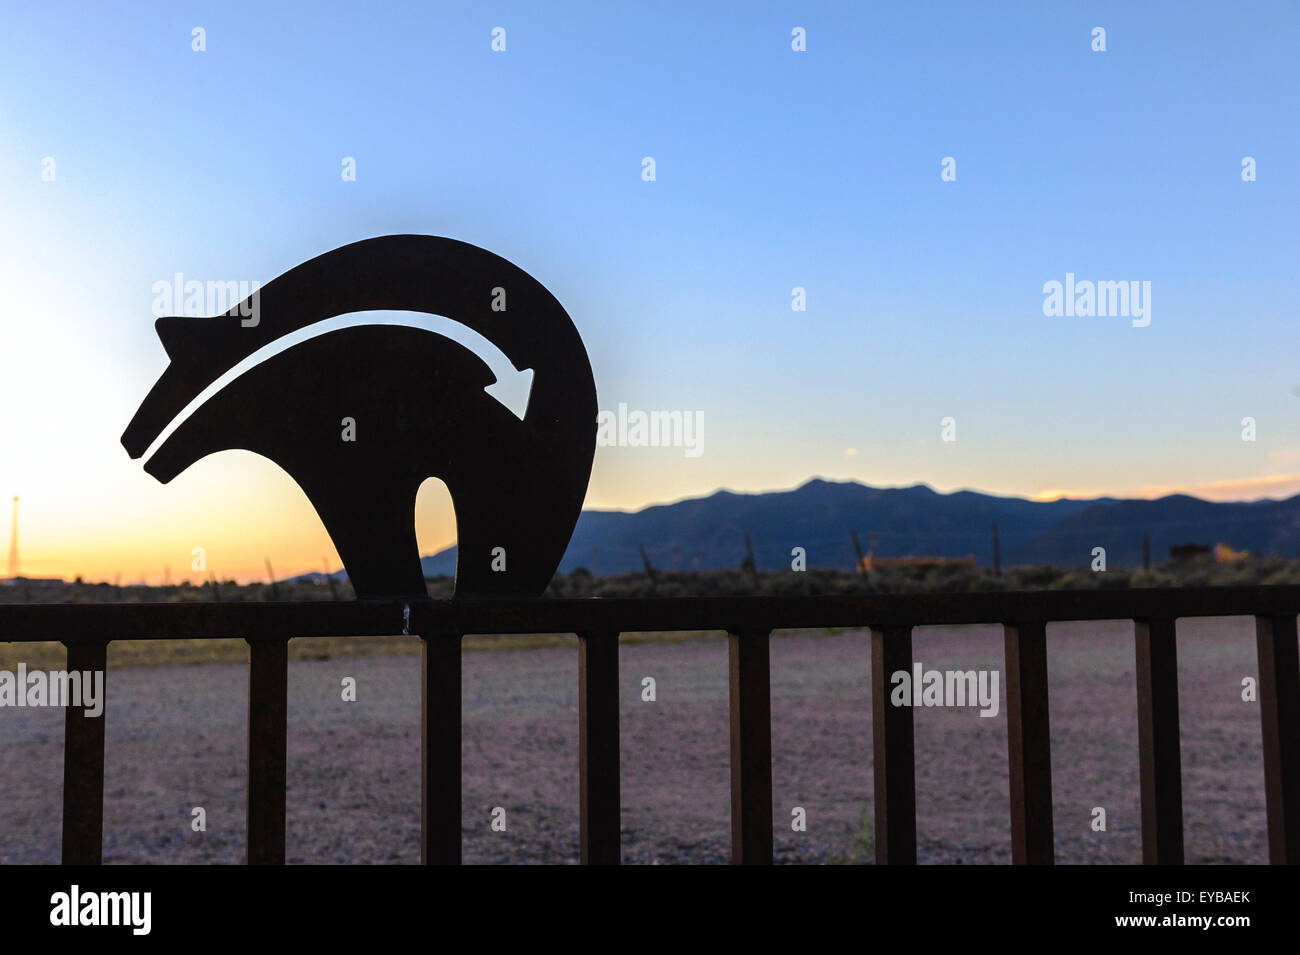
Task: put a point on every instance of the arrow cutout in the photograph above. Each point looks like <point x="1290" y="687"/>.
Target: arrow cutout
<point x="512" y="387"/>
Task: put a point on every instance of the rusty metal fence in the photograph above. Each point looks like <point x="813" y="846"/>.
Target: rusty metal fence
<point x="86" y="630"/>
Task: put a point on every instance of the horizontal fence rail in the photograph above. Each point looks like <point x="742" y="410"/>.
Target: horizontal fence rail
<point x="87" y="623"/>
<point x="86" y="630"/>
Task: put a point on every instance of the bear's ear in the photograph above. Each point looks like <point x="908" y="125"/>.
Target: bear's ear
<point x="186" y="339"/>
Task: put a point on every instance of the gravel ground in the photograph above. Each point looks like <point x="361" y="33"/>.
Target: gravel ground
<point x="176" y="741"/>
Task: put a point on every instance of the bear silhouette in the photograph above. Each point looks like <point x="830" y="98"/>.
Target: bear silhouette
<point x="416" y="403"/>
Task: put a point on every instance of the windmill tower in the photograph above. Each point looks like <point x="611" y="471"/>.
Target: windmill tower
<point x="13" y="542"/>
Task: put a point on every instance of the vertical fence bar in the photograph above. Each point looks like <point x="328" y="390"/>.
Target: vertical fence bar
<point x="268" y="719"/>
<point x="894" y="759"/>
<point x="83" y="765"/>
<point x="751" y="747"/>
<point x="598" y="748"/>
<point x="1279" y="714"/>
<point x="1159" y="744"/>
<point x="440" y="780"/>
<point x="1029" y="743"/>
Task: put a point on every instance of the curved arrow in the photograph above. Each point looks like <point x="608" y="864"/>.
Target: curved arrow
<point x="431" y="275"/>
<point x="512" y="387"/>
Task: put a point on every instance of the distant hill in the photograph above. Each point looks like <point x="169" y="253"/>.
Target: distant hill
<point x="316" y="577"/>
<point x="911" y="521"/>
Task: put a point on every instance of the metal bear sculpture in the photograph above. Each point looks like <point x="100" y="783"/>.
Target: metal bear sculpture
<point x="418" y="405"/>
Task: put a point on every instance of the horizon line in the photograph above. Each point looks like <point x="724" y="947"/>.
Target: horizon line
<point x="1216" y="492"/>
<point x="1148" y="492"/>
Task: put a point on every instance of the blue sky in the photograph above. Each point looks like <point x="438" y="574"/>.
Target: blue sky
<point x="775" y="169"/>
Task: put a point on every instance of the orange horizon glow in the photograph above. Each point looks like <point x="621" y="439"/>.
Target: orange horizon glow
<point x="284" y="529"/>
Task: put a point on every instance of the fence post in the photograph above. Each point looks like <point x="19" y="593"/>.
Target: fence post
<point x="440" y="779"/>
<point x="1279" y="714"/>
<point x="268" y="718"/>
<point x="1029" y="743"/>
<point x="83" y="765"/>
<point x="598" y="748"/>
<point x="749" y="666"/>
<point x="1159" y="755"/>
<point x="894" y="756"/>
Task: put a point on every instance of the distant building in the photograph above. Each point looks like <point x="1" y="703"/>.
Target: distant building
<point x="32" y="581"/>
<point x="1223" y="554"/>
<point x="1189" y="553"/>
<point x="1220" y="553"/>
<point x="871" y="562"/>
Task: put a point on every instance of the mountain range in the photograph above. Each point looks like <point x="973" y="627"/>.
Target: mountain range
<point x="911" y="521"/>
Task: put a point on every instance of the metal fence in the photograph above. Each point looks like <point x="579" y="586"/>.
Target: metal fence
<point x="86" y="630"/>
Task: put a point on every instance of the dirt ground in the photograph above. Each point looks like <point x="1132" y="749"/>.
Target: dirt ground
<point x="176" y="742"/>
